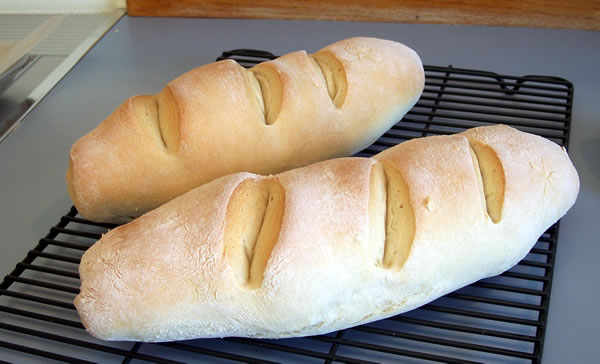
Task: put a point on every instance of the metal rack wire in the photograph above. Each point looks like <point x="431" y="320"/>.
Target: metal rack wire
<point x="498" y="319"/>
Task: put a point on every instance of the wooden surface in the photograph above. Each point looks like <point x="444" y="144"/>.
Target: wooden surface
<point x="576" y="14"/>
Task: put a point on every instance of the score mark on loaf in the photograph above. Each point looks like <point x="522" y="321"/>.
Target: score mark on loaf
<point x="221" y="118"/>
<point x="359" y="239"/>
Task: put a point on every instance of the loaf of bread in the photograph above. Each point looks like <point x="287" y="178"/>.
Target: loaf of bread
<point x="222" y="118"/>
<point x="330" y="245"/>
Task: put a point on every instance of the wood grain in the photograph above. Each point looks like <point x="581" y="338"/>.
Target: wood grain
<point x="576" y="14"/>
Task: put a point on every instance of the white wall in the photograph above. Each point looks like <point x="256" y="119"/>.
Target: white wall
<point x="59" y="6"/>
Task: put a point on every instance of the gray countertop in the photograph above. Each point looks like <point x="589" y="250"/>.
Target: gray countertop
<point x="140" y="55"/>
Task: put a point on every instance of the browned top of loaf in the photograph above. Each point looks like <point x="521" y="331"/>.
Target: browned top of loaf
<point x="221" y="118"/>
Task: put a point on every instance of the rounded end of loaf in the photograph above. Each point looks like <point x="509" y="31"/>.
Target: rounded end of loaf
<point x="69" y="180"/>
<point x="546" y="164"/>
<point x="80" y="196"/>
<point x="392" y="73"/>
<point x="83" y="196"/>
<point x="115" y="168"/>
<point x="540" y="182"/>
<point x="90" y="320"/>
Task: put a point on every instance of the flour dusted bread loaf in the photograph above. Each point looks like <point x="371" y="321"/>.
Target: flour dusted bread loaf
<point x="330" y="245"/>
<point x="221" y="118"/>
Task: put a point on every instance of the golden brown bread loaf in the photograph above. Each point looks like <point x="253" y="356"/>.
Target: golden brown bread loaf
<point x="221" y="118"/>
<point x="330" y="245"/>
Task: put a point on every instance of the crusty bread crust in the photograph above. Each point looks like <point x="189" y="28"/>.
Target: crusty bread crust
<point x="221" y="118"/>
<point x="327" y="246"/>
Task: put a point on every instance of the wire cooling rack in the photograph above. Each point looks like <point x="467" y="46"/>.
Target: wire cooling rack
<point x="496" y="320"/>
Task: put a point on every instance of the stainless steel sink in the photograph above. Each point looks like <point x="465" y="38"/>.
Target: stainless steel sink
<point x="36" y="51"/>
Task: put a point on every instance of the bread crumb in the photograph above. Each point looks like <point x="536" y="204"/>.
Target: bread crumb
<point x="428" y="204"/>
